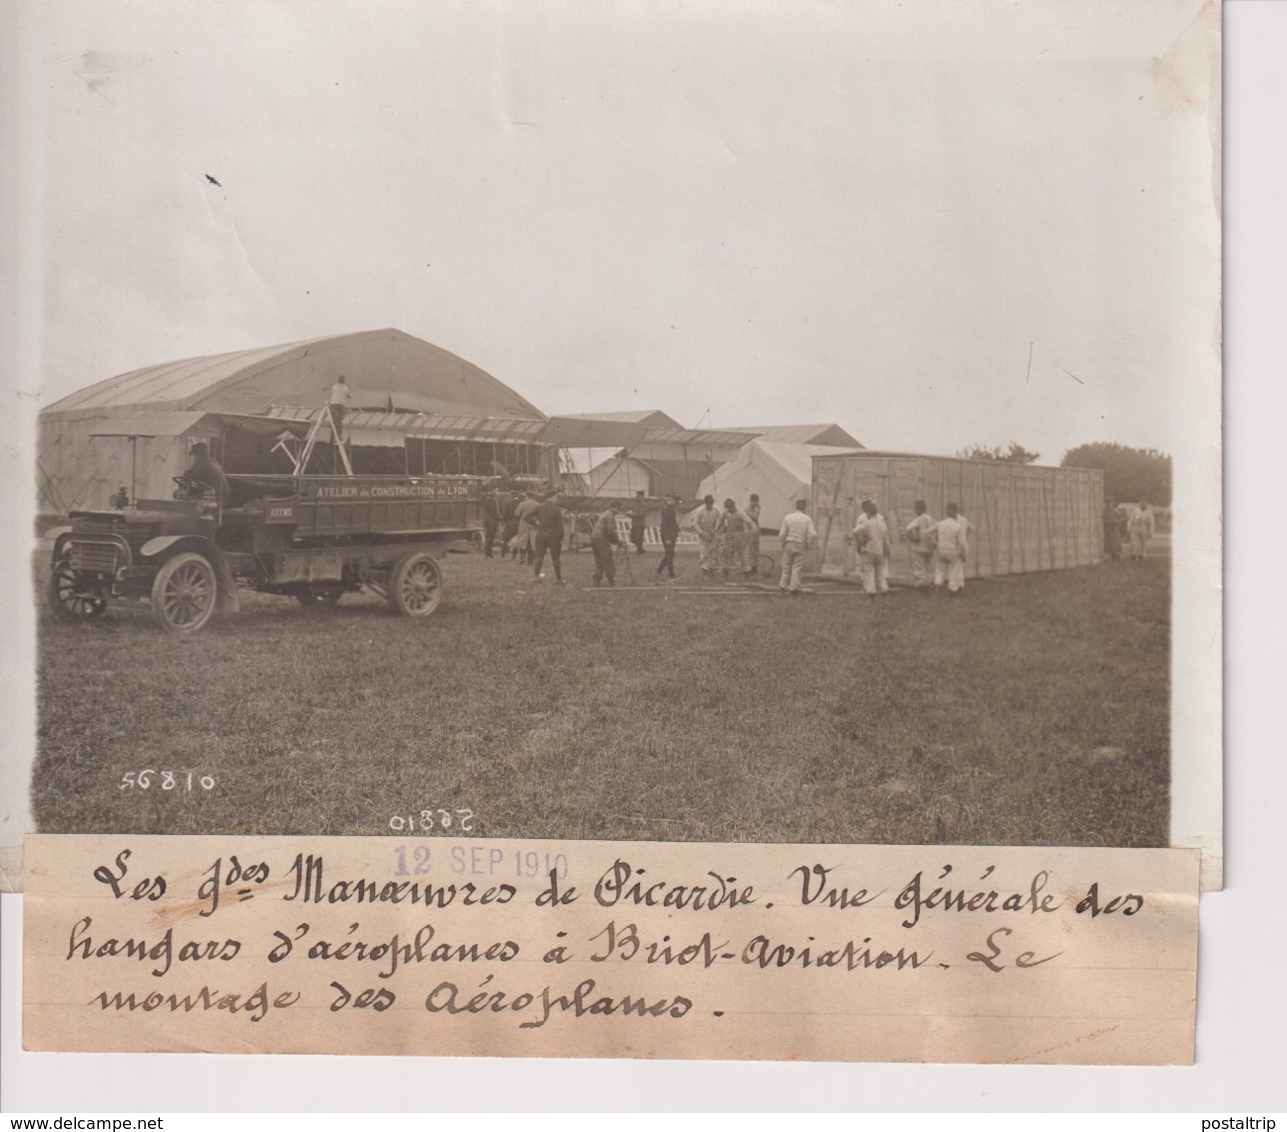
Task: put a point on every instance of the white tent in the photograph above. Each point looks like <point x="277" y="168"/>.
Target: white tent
<point x="778" y="473"/>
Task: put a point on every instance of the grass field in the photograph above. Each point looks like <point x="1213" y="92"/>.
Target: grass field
<point x="1031" y="710"/>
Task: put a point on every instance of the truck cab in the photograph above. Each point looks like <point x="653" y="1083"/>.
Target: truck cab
<point x="116" y="554"/>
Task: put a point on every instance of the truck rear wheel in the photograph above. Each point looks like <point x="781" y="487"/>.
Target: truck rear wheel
<point x="69" y="597"/>
<point x="184" y="593"/>
<point x="415" y="584"/>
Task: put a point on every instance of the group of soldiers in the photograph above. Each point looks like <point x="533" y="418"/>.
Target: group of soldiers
<point x="532" y="525"/>
<point x="1131" y="532"/>
<point x="940" y="548"/>
<point x="728" y="538"/>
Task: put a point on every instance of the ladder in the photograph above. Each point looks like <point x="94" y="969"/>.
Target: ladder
<point x="325" y="417"/>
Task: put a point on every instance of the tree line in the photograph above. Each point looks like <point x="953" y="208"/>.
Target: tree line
<point x="1131" y="475"/>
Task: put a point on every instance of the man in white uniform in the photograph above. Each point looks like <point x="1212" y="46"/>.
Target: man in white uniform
<point x="920" y="533"/>
<point x="737" y="530"/>
<point x="797" y="534"/>
<point x="1141" y="529"/>
<point x="341" y="402"/>
<point x="952" y="552"/>
<point x="709" y="522"/>
<point x="871" y="535"/>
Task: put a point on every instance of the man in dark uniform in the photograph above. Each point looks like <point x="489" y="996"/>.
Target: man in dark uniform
<point x="753" y="537"/>
<point x="204" y="470"/>
<point x="669" y="535"/>
<point x="491" y="520"/>
<point x="602" y="539"/>
<point x="548" y="520"/>
<point x="509" y="524"/>
<point x="638" y="521"/>
<point x="525" y="540"/>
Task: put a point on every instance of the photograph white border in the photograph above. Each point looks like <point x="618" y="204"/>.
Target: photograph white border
<point x="1240" y="987"/>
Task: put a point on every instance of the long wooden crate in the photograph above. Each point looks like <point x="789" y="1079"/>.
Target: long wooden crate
<point x="1023" y="517"/>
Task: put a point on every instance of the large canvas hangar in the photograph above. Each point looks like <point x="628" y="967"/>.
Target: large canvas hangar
<point x="1023" y="518"/>
<point x="417" y="409"/>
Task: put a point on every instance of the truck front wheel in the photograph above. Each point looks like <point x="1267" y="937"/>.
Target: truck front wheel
<point x="415" y="585"/>
<point x="184" y="593"/>
<point x="70" y="597"/>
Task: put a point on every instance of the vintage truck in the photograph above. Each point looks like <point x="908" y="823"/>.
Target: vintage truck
<point x="310" y="537"/>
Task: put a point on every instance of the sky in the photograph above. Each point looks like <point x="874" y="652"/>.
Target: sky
<point x="936" y="224"/>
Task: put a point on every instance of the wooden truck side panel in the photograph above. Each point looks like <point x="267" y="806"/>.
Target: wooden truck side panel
<point x="322" y="507"/>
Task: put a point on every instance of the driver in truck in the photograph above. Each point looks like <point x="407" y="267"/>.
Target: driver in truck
<point x="205" y="470"/>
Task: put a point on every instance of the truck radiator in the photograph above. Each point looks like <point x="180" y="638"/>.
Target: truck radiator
<point x="101" y="556"/>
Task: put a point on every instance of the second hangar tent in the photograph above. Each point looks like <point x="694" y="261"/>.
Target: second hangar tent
<point x="778" y="473"/>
